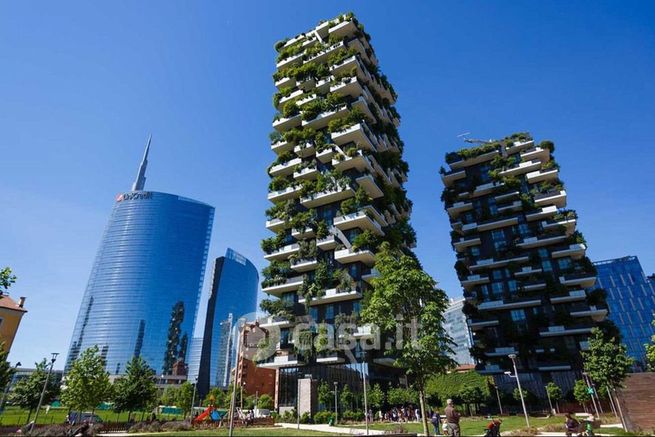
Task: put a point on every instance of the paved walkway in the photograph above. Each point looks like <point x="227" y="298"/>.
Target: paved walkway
<point x="332" y="429"/>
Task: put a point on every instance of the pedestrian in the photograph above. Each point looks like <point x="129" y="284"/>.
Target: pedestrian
<point x="417" y="414"/>
<point x="452" y="418"/>
<point x="436" y="422"/>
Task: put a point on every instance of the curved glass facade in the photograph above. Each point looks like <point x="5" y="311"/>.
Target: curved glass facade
<point x="142" y="295"/>
<point x="233" y="295"/>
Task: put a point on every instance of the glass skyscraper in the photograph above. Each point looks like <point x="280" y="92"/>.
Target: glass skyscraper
<point x="458" y="330"/>
<point x="631" y="299"/>
<point x="142" y="294"/>
<point x="233" y="295"/>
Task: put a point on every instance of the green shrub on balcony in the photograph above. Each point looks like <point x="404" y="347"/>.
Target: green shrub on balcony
<point x="283" y="92"/>
<point x="304" y="219"/>
<point x="289" y="51"/>
<point x="322" y="230"/>
<point x="340" y="55"/>
<point x="577" y="238"/>
<point x="278" y="183"/>
<point x="550" y="165"/>
<point x="275" y="137"/>
<point x="271" y="244"/>
<point x="279" y="44"/>
<point x="547" y="144"/>
<point x="527" y="201"/>
<point x="306" y="251"/>
<point x="565" y="214"/>
<point x="519" y="136"/>
<point x="282" y="159"/>
<point x="277" y="308"/>
<point x="343" y="280"/>
<point x="462" y="269"/>
<point x="290" y="109"/>
<point x="366" y="240"/>
<point x="282" y="210"/>
<point x="342" y="123"/>
<point x="597" y="296"/>
<point x="400" y="234"/>
<point x="344" y="76"/>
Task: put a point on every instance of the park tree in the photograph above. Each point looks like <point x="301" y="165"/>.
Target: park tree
<point x="6" y="278"/>
<point x="87" y="382"/>
<point x="554" y="393"/>
<point x="581" y="393"/>
<point x="185" y="397"/>
<point x="265" y="402"/>
<point x="650" y="352"/>
<point x="169" y="396"/>
<point x="27" y="391"/>
<point x="326" y="395"/>
<point x="403" y="293"/>
<point x="6" y="370"/>
<point x="375" y="396"/>
<point x="346" y="398"/>
<point x="136" y="390"/>
<point x="220" y="398"/>
<point x="606" y="361"/>
<point x="471" y="395"/>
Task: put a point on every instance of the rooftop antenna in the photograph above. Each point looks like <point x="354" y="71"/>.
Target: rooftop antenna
<point x="140" y="181"/>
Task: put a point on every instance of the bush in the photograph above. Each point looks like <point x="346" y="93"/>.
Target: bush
<point x="353" y="416"/>
<point x="306" y="418"/>
<point x="323" y="417"/>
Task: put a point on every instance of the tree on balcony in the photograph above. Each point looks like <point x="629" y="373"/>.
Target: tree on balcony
<point x="404" y="290"/>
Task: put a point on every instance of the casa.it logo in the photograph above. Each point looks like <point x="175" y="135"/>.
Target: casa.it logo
<point x="139" y="195"/>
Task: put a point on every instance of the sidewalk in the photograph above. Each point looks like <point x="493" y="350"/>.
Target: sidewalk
<point x="332" y="429"/>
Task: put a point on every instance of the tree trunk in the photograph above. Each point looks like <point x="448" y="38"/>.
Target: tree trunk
<point x="424" y="419"/>
<point x="29" y="414"/>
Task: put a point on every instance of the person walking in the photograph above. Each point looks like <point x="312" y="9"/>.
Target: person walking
<point x="452" y="419"/>
<point x="436" y="422"/>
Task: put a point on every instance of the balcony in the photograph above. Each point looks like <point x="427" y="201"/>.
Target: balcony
<point x="487" y="188"/>
<point x="306" y="173"/>
<point x="531" y="242"/>
<point x="545" y="212"/>
<point x="526" y="271"/>
<point x="324" y="118"/>
<point x="333" y="358"/>
<point x="474" y="325"/>
<point x="533" y="285"/>
<point x="327" y="243"/>
<point x="348" y="87"/>
<point x="284" y="169"/>
<point x="458" y="208"/>
<point x="281" y="361"/>
<point x="473" y="161"/>
<point x="291" y="284"/>
<point x="473" y="280"/>
<point x="283" y="252"/>
<point x="450" y="177"/>
<point x="517" y="205"/>
<point x="575" y="251"/>
<point x="302" y="233"/>
<point x="358" y="161"/>
<point x="368" y="184"/>
<point x="346" y="65"/>
<point x="275" y="225"/>
<point x="463" y="243"/>
<point x="287" y="193"/>
<point x="281" y="146"/>
<point x="284" y="124"/>
<point x="368" y="277"/>
<point x="326" y="155"/>
<point x="326" y="197"/>
<point x="508" y="305"/>
<point x="539" y="153"/>
<point x="569" y="224"/>
<point x="304" y="150"/>
<point x="291" y="60"/>
<point x="554" y="331"/>
<point x="553" y="367"/>
<point x="518" y="146"/>
<point x="571" y="296"/>
<point x="596" y="313"/>
<point x="343" y="29"/>
<point x="345" y="256"/>
<point x="361" y="104"/>
<point x="305" y="265"/>
<point x="557" y="198"/>
<point x="497" y="223"/>
<point x="385" y="361"/>
<point x="273" y="321"/>
<point x="542" y="175"/>
<point x="323" y="54"/>
<point x="501" y="352"/>
<point x="522" y="167"/>
<point x="582" y="280"/>
<point x="359" y="219"/>
<point x="358" y="134"/>
<point x="491" y="263"/>
<point x="333" y="295"/>
<point x="308" y="98"/>
<point x="285" y="82"/>
<point x="291" y="96"/>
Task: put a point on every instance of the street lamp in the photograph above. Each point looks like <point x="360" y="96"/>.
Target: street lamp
<point x="4" y="395"/>
<point x="336" y="411"/>
<point x="549" y="401"/>
<point x="45" y="385"/>
<point x="193" y="399"/>
<point x="500" y="406"/>
<point x="591" y="390"/>
<point x="365" y="400"/>
<point x="518" y="382"/>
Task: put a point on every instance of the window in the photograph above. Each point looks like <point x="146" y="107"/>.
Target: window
<point x="498" y="237"/>
<point x="475" y="251"/>
<point x="484" y="174"/>
<point x="565" y="263"/>
<point x="497" y="274"/>
<point x="518" y="316"/>
<point x="313" y="313"/>
<point x="543" y="253"/>
<point x="512" y="286"/>
<point x="329" y="312"/>
<point x="493" y="209"/>
<point x="524" y="230"/>
<point x="547" y="266"/>
<point x="289" y="298"/>
<point x="497" y="289"/>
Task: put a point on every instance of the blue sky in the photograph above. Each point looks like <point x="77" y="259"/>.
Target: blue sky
<point x="82" y="84"/>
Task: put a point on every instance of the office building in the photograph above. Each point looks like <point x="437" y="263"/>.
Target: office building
<point x="521" y="262"/>
<point x="233" y="296"/>
<point x="456" y="327"/>
<point x="337" y="191"/>
<point x="11" y="313"/>
<point x="145" y="282"/>
<point x="631" y="301"/>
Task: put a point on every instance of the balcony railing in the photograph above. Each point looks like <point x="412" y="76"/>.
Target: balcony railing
<point x="350" y="256"/>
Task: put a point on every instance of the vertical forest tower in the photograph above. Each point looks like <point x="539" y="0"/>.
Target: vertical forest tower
<point x="337" y="192"/>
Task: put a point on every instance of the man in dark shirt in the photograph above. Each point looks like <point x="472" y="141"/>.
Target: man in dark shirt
<point x="452" y="419"/>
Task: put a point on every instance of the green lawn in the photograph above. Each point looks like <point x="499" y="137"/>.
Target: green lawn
<point x="472" y="425"/>
<point x="18" y="416"/>
<point x="246" y="432"/>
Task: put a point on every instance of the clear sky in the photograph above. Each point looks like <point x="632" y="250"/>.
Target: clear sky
<point x="83" y="83"/>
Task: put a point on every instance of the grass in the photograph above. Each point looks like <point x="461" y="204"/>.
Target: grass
<point x="246" y="432"/>
<point x="471" y="425"/>
<point x="18" y="416"/>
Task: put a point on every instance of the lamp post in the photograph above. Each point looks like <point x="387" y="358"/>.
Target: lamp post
<point x="336" y="411"/>
<point x="500" y="406"/>
<point x="193" y="399"/>
<point x="365" y="399"/>
<point x="4" y="395"/>
<point x="518" y="382"/>
<point x="234" y="385"/>
<point x="549" y="401"/>
<point x="590" y="389"/>
<point x="45" y="385"/>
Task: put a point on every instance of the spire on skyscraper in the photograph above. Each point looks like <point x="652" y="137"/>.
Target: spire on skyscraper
<point x="140" y="181"/>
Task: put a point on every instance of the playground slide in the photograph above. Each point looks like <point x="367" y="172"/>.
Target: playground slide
<point x="204" y="414"/>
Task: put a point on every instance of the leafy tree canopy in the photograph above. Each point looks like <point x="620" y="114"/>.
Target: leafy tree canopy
<point x="606" y="360"/>
<point x="87" y="382"/>
<point x="136" y="390"/>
